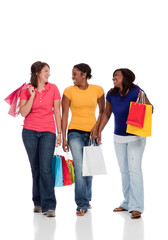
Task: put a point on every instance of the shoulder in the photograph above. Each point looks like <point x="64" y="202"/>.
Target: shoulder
<point x="69" y="89"/>
<point x="97" y="88"/>
<point x="51" y="86"/>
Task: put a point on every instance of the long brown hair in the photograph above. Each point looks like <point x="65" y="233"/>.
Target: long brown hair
<point x="127" y="83"/>
<point x="36" y="68"/>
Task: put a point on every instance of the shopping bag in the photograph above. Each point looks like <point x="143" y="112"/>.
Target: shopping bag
<point x="14" y="100"/>
<point x="93" y="161"/>
<point x="70" y="165"/>
<point x="146" y="130"/>
<point x="136" y="114"/>
<point x="57" y="171"/>
<point x="71" y="169"/>
<point x="66" y="173"/>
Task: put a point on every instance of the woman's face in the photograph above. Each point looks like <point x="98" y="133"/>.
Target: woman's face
<point x="44" y="74"/>
<point x="77" y="76"/>
<point x="117" y="79"/>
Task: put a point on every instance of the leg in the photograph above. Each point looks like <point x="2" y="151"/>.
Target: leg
<point x="135" y="153"/>
<point x="46" y="152"/>
<point x="30" y="141"/>
<point x="121" y="153"/>
<point x="82" y="193"/>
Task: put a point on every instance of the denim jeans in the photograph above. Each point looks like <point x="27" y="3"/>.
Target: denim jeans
<point x="40" y="149"/>
<point x="83" y="185"/>
<point x="129" y="156"/>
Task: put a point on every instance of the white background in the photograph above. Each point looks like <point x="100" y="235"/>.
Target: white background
<point x="106" y="35"/>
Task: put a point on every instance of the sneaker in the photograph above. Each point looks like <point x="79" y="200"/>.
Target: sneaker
<point x="50" y="213"/>
<point x="37" y="209"/>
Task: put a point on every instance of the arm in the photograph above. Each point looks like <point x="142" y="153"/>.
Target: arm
<point x="26" y="105"/>
<point x="65" y="109"/>
<point x="104" y="120"/>
<point x="57" y="114"/>
<point x="101" y="104"/>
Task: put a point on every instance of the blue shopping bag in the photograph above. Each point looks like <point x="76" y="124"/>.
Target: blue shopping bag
<point x="57" y="171"/>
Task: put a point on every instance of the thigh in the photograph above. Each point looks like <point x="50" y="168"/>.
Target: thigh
<point x="46" y="149"/>
<point x="135" y="153"/>
<point x="76" y="144"/>
<point x="31" y="143"/>
<point x="121" y="154"/>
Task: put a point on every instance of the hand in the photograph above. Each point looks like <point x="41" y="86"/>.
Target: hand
<point x="58" y="140"/>
<point x="65" y="145"/>
<point x="139" y="94"/>
<point x="98" y="140"/>
<point x="93" y="133"/>
<point x="32" y="91"/>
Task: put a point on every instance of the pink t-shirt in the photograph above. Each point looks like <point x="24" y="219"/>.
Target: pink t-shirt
<point x="41" y="117"/>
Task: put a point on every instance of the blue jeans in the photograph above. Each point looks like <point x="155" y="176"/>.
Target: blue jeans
<point x="40" y="149"/>
<point x="83" y="185"/>
<point x="129" y="156"/>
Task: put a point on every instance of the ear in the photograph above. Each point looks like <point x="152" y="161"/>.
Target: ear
<point x="84" y="75"/>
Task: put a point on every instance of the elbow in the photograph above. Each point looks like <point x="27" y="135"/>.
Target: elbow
<point x="23" y="114"/>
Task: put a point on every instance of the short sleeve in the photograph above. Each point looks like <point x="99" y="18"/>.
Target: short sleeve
<point x="67" y="92"/>
<point x="57" y="94"/>
<point x="108" y="97"/>
<point x="25" y="95"/>
<point x="100" y="91"/>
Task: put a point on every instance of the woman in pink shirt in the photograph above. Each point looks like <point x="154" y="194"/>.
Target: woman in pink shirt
<point x="40" y="105"/>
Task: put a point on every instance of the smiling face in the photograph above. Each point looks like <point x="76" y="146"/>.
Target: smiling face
<point x="44" y="74"/>
<point x="118" y="79"/>
<point x="78" y="77"/>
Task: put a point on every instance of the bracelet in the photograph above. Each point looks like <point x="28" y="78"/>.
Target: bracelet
<point x="59" y="132"/>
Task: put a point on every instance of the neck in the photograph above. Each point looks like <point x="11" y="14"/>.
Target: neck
<point x="83" y="86"/>
<point x="40" y="86"/>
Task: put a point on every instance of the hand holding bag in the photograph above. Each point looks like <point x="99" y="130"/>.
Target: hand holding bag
<point x="93" y="160"/>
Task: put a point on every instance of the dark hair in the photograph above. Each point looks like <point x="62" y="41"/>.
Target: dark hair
<point x="36" y="68"/>
<point x="84" y="68"/>
<point x="127" y="83"/>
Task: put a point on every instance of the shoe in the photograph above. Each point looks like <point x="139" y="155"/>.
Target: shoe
<point x="135" y="214"/>
<point x="50" y="213"/>
<point x="81" y="212"/>
<point x="119" y="209"/>
<point x="37" y="209"/>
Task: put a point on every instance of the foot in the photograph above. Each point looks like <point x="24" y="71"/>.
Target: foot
<point x="119" y="209"/>
<point x="37" y="209"/>
<point x="135" y="214"/>
<point x="81" y="212"/>
<point x="89" y="206"/>
<point x="50" y="213"/>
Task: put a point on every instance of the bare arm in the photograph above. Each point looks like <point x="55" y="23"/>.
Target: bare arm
<point x="26" y="105"/>
<point x="57" y="114"/>
<point x="101" y="104"/>
<point x="65" y="109"/>
<point x="105" y="118"/>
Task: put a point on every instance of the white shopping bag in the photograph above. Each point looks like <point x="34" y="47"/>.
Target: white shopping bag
<point x="93" y="161"/>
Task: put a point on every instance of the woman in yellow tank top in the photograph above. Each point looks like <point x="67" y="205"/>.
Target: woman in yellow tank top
<point x="82" y="99"/>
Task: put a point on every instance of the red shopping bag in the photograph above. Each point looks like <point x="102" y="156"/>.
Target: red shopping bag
<point x="14" y="100"/>
<point x="66" y="174"/>
<point x="136" y="114"/>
